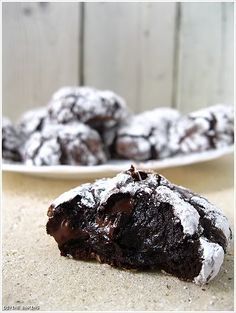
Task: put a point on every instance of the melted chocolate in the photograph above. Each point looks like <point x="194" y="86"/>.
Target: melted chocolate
<point x="137" y="175"/>
<point x="121" y="206"/>
<point x="133" y="225"/>
<point x="65" y="232"/>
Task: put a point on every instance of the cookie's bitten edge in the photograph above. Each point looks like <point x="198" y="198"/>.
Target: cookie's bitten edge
<point x="213" y="257"/>
<point x="212" y="253"/>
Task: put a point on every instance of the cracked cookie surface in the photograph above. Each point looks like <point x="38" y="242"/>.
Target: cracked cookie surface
<point x="11" y="142"/>
<point x="209" y="128"/>
<point x="75" y="144"/>
<point x="145" y="136"/>
<point x="102" y="110"/>
<point x="139" y="220"/>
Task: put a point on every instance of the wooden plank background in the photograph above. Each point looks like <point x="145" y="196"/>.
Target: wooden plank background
<point x="129" y="48"/>
<point x="153" y="54"/>
<point x="40" y="52"/>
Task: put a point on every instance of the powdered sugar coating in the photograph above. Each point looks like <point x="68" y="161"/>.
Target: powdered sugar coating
<point x="67" y="144"/>
<point x="102" y="189"/>
<point x="87" y="105"/>
<point x="102" y="110"/>
<point x="154" y="134"/>
<point x="214" y="214"/>
<point x="211" y="254"/>
<point x="32" y="121"/>
<point x="70" y="194"/>
<point x="184" y="203"/>
<point x="11" y="141"/>
<point x="69" y="91"/>
<point x="187" y="214"/>
<point x="145" y="135"/>
<point x="209" y="128"/>
<point x="40" y="150"/>
<point x="212" y="259"/>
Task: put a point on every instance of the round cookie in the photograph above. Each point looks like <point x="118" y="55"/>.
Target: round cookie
<point x="209" y="128"/>
<point x="11" y="141"/>
<point x="75" y="144"/>
<point x="145" y="136"/>
<point x="140" y="220"/>
<point x="102" y="110"/>
<point x="32" y="121"/>
<point x="87" y="105"/>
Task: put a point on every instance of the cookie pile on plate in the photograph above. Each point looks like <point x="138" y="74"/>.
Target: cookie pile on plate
<point x="86" y="126"/>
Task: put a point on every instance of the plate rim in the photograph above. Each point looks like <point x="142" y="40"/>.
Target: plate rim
<point x="116" y="165"/>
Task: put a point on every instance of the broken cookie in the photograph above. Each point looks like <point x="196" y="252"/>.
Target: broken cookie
<point x="139" y="220"/>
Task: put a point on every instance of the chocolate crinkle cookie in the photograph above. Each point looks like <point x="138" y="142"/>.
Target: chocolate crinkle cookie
<point x="102" y="110"/>
<point x="32" y="121"/>
<point x="11" y="142"/>
<point x="106" y="130"/>
<point x="74" y="144"/>
<point x="145" y="136"/>
<point x="209" y="128"/>
<point x="139" y="220"/>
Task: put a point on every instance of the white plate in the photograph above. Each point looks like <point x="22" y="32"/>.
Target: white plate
<point x="114" y="166"/>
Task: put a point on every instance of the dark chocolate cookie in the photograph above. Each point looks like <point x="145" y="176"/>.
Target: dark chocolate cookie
<point x="11" y="141"/>
<point x="33" y="121"/>
<point x="145" y="136"/>
<point x="209" y="128"/>
<point x="74" y="144"/>
<point x="139" y="220"/>
<point x="101" y="110"/>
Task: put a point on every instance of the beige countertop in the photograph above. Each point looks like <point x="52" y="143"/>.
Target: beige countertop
<point x="34" y="273"/>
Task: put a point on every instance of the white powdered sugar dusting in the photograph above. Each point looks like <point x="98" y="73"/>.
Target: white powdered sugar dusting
<point x="205" y="129"/>
<point x="72" y="90"/>
<point x="114" y="98"/>
<point x="69" y="195"/>
<point x="212" y="259"/>
<point x="146" y="131"/>
<point x="133" y="147"/>
<point x="31" y="120"/>
<point x="102" y="189"/>
<point x="189" y="135"/>
<point x="78" y="143"/>
<point x="119" y="184"/>
<point x="84" y="104"/>
<point x="6" y="122"/>
<point x="183" y="210"/>
<point x="49" y="151"/>
<point x="141" y="124"/>
<point x="96" y="195"/>
<point x="186" y="213"/>
<point x="87" y="198"/>
<point x="214" y="214"/>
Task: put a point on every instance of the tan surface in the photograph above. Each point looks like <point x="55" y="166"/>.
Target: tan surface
<point x="35" y="274"/>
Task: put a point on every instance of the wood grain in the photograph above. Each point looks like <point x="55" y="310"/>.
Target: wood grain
<point x="153" y="54"/>
<point x="227" y="68"/>
<point x="129" y="48"/>
<point x="40" y="52"/>
<point x="199" y="55"/>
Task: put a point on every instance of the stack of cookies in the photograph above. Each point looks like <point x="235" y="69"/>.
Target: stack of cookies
<point x="86" y="126"/>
